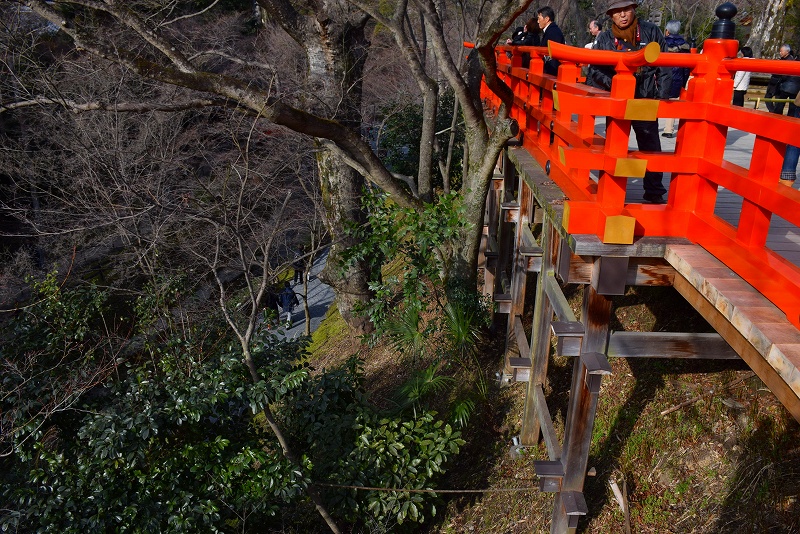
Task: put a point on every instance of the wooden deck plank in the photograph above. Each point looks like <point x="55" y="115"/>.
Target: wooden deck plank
<point x="755" y="328"/>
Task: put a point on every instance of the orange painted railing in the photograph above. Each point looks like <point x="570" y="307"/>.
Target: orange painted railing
<point x="557" y="123"/>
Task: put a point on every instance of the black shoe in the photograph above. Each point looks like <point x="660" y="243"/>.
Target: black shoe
<point x="668" y="135"/>
<point x="652" y="198"/>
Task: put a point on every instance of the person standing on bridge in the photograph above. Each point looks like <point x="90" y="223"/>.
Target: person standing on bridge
<point x="594" y="30"/>
<point x="546" y="18"/>
<point x="785" y="53"/>
<point x="792" y="154"/>
<point x="741" y="80"/>
<point x="628" y="33"/>
<point x="680" y="75"/>
<point x="527" y="35"/>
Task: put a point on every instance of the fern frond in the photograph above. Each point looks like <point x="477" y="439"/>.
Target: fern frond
<point x="462" y="411"/>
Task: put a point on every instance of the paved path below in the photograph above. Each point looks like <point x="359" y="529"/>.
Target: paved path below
<point x="320" y="298"/>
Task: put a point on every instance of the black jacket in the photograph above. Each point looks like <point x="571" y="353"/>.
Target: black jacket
<point x="523" y="38"/>
<point x="552" y="33"/>
<point x="783" y="85"/>
<point x="518" y="35"/>
<point x="676" y="43"/>
<point x="651" y="82"/>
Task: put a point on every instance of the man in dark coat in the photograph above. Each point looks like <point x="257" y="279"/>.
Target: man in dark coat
<point x="546" y="18"/>
<point x="527" y="35"/>
<point x="288" y="300"/>
<point x="628" y="33"/>
<point x="782" y="85"/>
<point x="675" y="43"/>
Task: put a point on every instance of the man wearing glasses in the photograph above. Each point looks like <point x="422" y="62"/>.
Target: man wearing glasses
<point x="594" y="30"/>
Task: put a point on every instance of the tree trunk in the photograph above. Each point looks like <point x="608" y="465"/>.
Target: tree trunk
<point x="336" y="47"/>
<point x="341" y="192"/>
<point x="765" y="37"/>
<point x="479" y="168"/>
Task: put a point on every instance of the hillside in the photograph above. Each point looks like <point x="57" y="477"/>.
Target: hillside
<point x="726" y="458"/>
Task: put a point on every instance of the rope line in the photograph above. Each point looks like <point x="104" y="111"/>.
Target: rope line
<point x="408" y="490"/>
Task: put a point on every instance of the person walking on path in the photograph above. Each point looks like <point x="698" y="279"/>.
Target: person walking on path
<point x="629" y="33"/>
<point x="546" y="18"/>
<point x="288" y="300"/>
<point x="298" y="265"/>
<point x="680" y="75"/>
<point x="741" y="80"/>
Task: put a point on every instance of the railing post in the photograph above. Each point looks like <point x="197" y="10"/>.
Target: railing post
<point x="611" y="189"/>
<point x="765" y="167"/>
<point x="702" y="138"/>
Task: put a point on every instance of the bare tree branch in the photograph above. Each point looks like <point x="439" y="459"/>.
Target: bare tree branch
<point x="126" y="17"/>
<point x="233" y="59"/>
<point x="122" y="107"/>
<point x="259" y="101"/>
<point x="190" y="15"/>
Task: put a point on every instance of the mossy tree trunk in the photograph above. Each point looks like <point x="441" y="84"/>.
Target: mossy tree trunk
<point x="333" y="38"/>
<point x="341" y="191"/>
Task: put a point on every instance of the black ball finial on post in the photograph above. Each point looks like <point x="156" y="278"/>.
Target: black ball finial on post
<point x="724" y="28"/>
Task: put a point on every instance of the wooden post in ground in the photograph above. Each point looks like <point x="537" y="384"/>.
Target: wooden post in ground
<point x="540" y="338"/>
<point x="519" y="274"/>
<point x="505" y="229"/>
<point x="595" y="316"/>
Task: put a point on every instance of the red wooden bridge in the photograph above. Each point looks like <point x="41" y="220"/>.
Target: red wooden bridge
<point x="566" y="205"/>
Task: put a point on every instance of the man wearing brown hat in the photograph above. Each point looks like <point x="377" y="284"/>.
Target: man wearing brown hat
<point x="628" y="33"/>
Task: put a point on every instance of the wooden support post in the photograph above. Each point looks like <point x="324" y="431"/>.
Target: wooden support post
<point x="529" y="248"/>
<point x="563" y="261"/>
<point x="505" y="241"/>
<point x="519" y="276"/>
<point x="557" y="300"/>
<point x="522" y="339"/>
<point x="510" y="177"/>
<point x="569" y="337"/>
<point x="550" y="474"/>
<point x="540" y="340"/>
<point x="546" y="423"/>
<point x="595" y="314"/>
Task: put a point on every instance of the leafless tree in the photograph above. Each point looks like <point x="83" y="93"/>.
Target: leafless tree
<point x="768" y="25"/>
<point x="161" y="46"/>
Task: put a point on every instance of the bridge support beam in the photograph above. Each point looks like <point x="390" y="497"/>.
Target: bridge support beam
<point x="540" y="341"/>
<point x="595" y="315"/>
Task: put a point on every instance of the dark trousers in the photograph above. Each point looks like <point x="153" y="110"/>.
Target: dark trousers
<point x="792" y="154"/>
<point x="648" y="141"/>
<point x="738" y="98"/>
<point x="777" y="107"/>
<point x="772" y="88"/>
